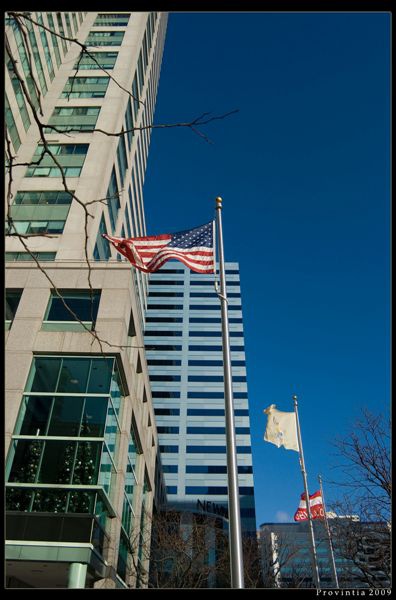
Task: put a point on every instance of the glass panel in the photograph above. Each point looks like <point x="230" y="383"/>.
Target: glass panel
<point x="100" y="378"/>
<point x="111" y="431"/>
<point x="18" y="499"/>
<point x="66" y="416"/>
<point x="50" y="501"/>
<point x="115" y="390"/>
<point x="12" y="300"/>
<point x="82" y="502"/>
<point x="87" y="463"/>
<point x="34" y="412"/>
<point x="81" y="303"/>
<point x="26" y="461"/>
<point x="106" y="469"/>
<point x="74" y="375"/>
<point x="57" y="463"/>
<point x="45" y="374"/>
<point x="94" y="417"/>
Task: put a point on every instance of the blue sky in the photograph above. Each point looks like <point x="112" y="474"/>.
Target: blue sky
<point x="304" y="172"/>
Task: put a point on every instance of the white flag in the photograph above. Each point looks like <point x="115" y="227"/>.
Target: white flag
<point x="281" y="428"/>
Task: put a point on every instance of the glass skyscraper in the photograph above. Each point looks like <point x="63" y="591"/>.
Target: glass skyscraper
<point x="183" y="341"/>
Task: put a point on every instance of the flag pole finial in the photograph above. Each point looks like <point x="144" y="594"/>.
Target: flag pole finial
<point x="219" y="201"/>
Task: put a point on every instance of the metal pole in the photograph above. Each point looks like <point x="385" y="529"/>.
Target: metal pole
<point x="304" y="474"/>
<point x="333" y="565"/>
<point x="77" y="575"/>
<point x="236" y="556"/>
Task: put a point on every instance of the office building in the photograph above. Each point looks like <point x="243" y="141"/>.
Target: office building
<point x="287" y="556"/>
<point x="183" y="340"/>
<point x="83" y="466"/>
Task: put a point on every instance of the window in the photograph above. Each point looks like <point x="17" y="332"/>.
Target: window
<point x="36" y="56"/>
<point x="11" y="125"/>
<point x="205" y="320"/>
<point x="135" y="95"/>
<point x="164" y="363"/>
<point x="205" y="334"/>
<point x="212" y="307"/>
<point x="65" y="397"/>
<point x="71" y="158"/>
<point x="12" y="298"/>
<point x="202" y="348"/>
<point x="164" y="320"/>
<point x="214" y="363"/>
<point x="80" y="302"/>
<point x="82" y="118"/>
<point x="129" y="123"/>
<point x="164" y="306"/>
<point x="112" y="20"/>
<point x="167" y="429"/>
<point x="102" y="247"/>
<point x="206" y="449"/>
<point x="47" y="52"/>
<point x="19" y="95"/>
<point x="165" y="348"/>
<point x="113" y="199"/>
<point x="211" y="395"/>
<point x="216" y="450"/>
<point x="85" y="87"/>
<point x="165" y="294"/>
<point x="167" y="411"/>
<point x="36" y="227"/>
<point x="163" y="333"/>
<point x="215" y="469"/>
<point x="54" y="39"/>
<point x="164" y="394"/>
<point x="104" y="38"/>
<point x="206" y="378"/>
<point x="166" y="282"/>
<point x="29" y="198"/>
<point x="169" y="449"/>
<point x="205" y="412"/>
<point x="97" y="60"/>
<point x="25" y="256"/>
<point x="209" y="490"/>
<point x="170" y="468"/>
<point x="206" y="430"/>
<point x="164" y="377"/>
<point x="122" y="157"/>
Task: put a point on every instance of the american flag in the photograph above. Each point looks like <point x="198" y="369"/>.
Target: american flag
<point x="193" y="247"/>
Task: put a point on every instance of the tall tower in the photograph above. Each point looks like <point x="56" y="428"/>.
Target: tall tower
<point x="82" y="470"/>
<point x="185" y="361"/>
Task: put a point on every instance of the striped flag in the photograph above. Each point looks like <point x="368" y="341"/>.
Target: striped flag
<point x="193" y="247"/>
<point x="315" y="505"/>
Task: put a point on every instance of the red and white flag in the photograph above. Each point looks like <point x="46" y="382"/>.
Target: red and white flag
<point x="315" y="504"/>
<point x="193" y="247"/>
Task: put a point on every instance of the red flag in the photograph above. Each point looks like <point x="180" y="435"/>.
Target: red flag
<point x="315" y="504"/>
<point x="193" y="247"/>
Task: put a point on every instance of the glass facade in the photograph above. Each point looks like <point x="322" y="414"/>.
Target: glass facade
<point x="65" y="440"/>
<point x="188" y="389"/>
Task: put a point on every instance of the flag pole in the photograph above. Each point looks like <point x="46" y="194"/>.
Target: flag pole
<point x="236" y="556"/>
<point x="304" y="474"/>
<point x="333" y="565"/>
